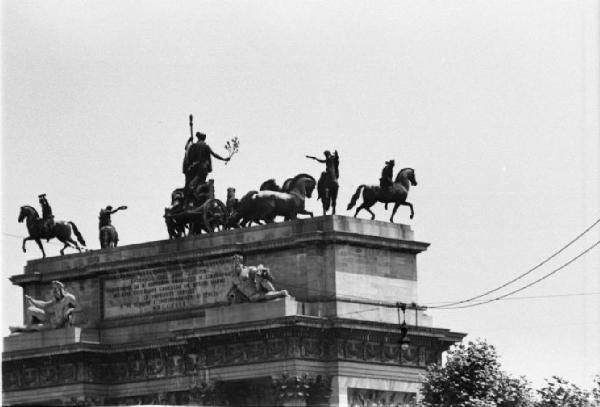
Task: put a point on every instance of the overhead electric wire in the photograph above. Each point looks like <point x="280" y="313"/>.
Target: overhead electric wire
<point x="545" y="276"/>
<point x="531" y="270"/>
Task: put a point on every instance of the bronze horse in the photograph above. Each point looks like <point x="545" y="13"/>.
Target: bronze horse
<point x="108" y="237"/>
<point x="266" y="205"/>
<point x="397" y="194"/>
<point x="61" y="230"/>
<point x="244" y="208"/>
<point x="271" y="185"/>
<point x="328" y="187"/>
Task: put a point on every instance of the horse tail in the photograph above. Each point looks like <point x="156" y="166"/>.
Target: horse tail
<point x="355" y="197"/>
<point x="76" y="231"/>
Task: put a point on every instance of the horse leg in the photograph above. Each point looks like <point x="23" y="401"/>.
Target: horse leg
<point x="333" y="200"/>
<point x="412" y="212"/>
<point x="66" y="242"/>
<point x="396" y="205"/>
<point x="39" y="243"/>
<point x="371" y="212"/>
<point x="25" y="240"/>
<point x="73" y="243"/>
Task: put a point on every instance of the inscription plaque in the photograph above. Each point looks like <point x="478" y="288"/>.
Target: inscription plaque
<point x="167" y="289"/>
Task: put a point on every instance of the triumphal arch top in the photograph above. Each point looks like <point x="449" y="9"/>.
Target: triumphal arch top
<point x="294" y="313"/>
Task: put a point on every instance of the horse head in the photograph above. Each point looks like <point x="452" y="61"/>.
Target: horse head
<point x="303" y="183"/>
<point x="27" y="211"/>
<point x="270" y="185"/>
<point x="407" y="174"/>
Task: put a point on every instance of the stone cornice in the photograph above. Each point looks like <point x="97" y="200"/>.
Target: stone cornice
<point x="254" y="331"/>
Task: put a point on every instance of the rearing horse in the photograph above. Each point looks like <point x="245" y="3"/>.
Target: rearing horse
<point x="397" y="194"/>
<point x="61" y="230"/>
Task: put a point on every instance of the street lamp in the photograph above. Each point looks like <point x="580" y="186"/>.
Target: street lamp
<point x="404" y="340"/>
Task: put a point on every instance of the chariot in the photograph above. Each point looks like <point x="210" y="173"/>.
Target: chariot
<point x="197" y="213"/>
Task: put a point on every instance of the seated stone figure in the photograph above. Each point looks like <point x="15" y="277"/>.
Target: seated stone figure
<point x="51" y="314"/>
<point x="252" y="284"/>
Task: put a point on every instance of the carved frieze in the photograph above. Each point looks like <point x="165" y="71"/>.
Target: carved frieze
<point x="197" y="355"/>
<point x="11" y="380"/>
<point x="48" y="375"/>
<point x="30" y="377"/>
<point x="137" y="365"/>
<point x="301" y="390"/>
<point x="256" y="350"/>
<point x="380" y="398"/>
<point x="236" y="353"/>
<point x="410" y="355"/>
<point x="313" y="348"/>
<point x="67" y="373"/>
<point x="354" y="349"/>
<point x="156" y="367"/>
<point x="276" y="348"/>
<point x="215" y="355"/>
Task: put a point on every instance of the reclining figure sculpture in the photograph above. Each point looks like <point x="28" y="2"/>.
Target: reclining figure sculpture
<point x="252" y="284"/>
<point x="51" y="314"/>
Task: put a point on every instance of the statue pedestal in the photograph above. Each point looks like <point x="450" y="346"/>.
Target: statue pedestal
<point x="50" y="338"/>
<point x="239" y="313"/>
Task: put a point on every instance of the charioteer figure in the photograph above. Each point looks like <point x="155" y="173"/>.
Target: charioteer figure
<point x="47" y="216"/>
<point x="199" y="162"/>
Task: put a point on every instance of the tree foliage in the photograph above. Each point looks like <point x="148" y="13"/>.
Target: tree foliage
<point x="472" y="377"/>
<point x="558" y="392"/>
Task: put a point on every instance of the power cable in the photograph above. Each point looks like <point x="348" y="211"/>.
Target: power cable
<point x="525" y="273"/>
<point x="525" y="286"/>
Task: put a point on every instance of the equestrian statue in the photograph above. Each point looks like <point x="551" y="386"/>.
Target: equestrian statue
<point x="395" y="193"/>
<point x="47" y="228"/>
<point x="108" y="233"/>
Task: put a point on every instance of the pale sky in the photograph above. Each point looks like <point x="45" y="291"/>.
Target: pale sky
<point x="495" y="104"/>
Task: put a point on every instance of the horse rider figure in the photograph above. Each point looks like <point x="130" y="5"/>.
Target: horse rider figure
<point x="197" y="163"/>
<point x="332" y="164"/>
<point x="104" y="217"/>
<point x="47" y="216"/>
<point x="387" y="177"/>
